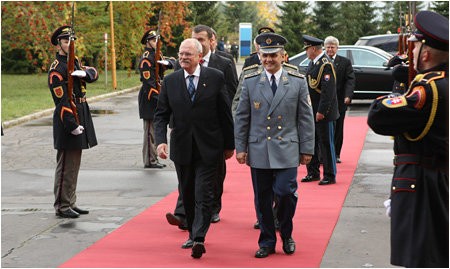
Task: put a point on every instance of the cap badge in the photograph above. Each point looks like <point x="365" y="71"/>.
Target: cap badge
<point x="256" y="104"/>
<point x="268" y="41"/>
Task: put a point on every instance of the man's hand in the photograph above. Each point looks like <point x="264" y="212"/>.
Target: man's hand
<point x="347" y="100"/>
<point x="241" y="157"/>
<point x="319" y="116"/>
<point x="228" y="153"/>
<point x="162" y="150"/>
<point x="79" y="73"/>
<point x="305" y="158"/>
<point x="79" y="130"/>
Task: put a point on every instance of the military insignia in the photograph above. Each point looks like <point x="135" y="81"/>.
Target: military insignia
<point x="256" y="104"/>
<point x="58" y="75"/>
<point x="268" y="41"/>
<point x="145" y="62"/>
<point x="250" y="67"/>
<point x="54" y="64"/>
<point x="309" y="100"/>
<point x="65" y="109"/>
<point x="83" y="89"/>
<point x="395" y="102"/>
<point x="326" y="77"/>
<point x="146" y="74"/>
<point x="419" y="94"/>
<point x="59" y="92"/>
<point x="263" y="79"/>
<point x="146" y="53"/>
<point x="254" y="74"/>
<point x="285" y="79"/>
<point x="295" y="74"/>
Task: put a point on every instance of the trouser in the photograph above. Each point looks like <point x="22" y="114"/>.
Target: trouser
<point x="67" y="167"/>
<point x="149" y="147"/>
<point x="266" y="184"/>
<point x="339" y="135"/>
<point x="324" y="141"/>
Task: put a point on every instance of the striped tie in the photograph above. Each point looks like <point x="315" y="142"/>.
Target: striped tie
<point x="191" y="88"/>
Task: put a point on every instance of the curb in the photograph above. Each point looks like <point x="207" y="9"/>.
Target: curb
<point x="40" y="114"/>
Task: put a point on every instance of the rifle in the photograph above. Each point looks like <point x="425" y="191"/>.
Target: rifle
<point x="400" y="35"/>
<point x="158" y="54"/>
<point x="71" y="67"/>
<point x="411" y="14"/>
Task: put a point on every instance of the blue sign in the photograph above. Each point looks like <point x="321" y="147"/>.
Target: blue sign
<point x="245" y="39"/>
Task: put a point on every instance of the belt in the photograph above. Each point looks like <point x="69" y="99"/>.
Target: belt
<point x="430" y="162"/>
<point x="79" y="100"/>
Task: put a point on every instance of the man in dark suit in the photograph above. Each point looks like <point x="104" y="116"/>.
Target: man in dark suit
<point x="204" y="35"/>
<point x="322" y="88"/>
<point x="213" y="46"/>
<point x="202" y="135"/>
<point x="345" y="84"/>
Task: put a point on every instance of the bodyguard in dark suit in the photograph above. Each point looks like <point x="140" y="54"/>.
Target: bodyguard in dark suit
<point x="213" y="46"/>
<point x="322" y="88"/>
<point x="205" y="35"/>
<point x="345" y="84"/>
<point x="202" y="135"/>
<point x="274" y="133"/>
<point x="69" y="137"/>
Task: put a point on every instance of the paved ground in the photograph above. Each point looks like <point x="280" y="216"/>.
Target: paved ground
<point x="115" y="187"/>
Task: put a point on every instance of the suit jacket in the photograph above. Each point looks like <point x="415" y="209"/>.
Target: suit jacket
<point x="207" y="119"/>
<point x="345" y="78"/>
<point x="228" y="56"/>
<point x="322" y="88"/>
<point x="274" y="129"/>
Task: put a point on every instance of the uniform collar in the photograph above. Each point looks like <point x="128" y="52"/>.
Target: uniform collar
<point x="318" y="57"/>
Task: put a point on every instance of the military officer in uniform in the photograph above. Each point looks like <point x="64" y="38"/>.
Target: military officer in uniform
<point x="148" y="98"/>
<point x="322" y="88"/>
<point x="69" y="137"/>
<point x="274" y="133"/>
<point x="419" y="122"/>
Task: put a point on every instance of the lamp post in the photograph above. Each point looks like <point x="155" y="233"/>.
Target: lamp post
<point x="105" y="36"/>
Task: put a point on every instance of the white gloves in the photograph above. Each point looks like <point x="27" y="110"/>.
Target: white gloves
<point x="163" y="62"/>
<point x="79" y="73"/>
<point x="387" y="204"/>
<point x="79" y="130"/>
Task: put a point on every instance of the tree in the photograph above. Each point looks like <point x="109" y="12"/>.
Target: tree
<point x="324" y="19"/>
<point x="204" y="12"/>
<point x="391" y="15"/>
<point x="440" y="7"/>
<point x="350" y="11"/>
<point x="236" y="12"/>
<point x="293" y="22"/>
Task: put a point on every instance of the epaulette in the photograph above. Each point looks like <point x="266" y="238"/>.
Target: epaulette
<point x="254" y="74"/>
<point x="250" y="67"/>
<point x="146" y="53"/>
<point x="290" y="65"/>
<point x="325" y="60"/>
<point x="54" y="64"/>
<point x="434" y="75"/>
<point x="295" y="74"/>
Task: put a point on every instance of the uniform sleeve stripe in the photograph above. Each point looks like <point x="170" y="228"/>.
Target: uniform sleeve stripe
<point x="54" y="73"/>
<point x="65" y="109"/>
<point x="145" y="61"/>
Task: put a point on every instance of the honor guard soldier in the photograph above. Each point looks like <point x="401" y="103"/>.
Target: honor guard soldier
<point x="69" y="136"/>
<point x="321" y="79"/>
<point x="148" y="98"/>
<point x="274" y="133"/>
<point x="419" y="122"/>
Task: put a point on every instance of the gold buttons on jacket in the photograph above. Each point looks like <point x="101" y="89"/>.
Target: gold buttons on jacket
<point x="269" y="138"/>
<point x="393" y="188"/>
<point x="268" y="118"/>
<point x="268" y="127"/>
<point x="279" y="138"/>
<point x="279" y="117"/>
<point x="279" y="127"/>
<point x="413" y="186"/>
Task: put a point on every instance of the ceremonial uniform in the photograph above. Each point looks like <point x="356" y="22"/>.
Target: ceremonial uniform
<point x="69" y="145"/>
<point x="321" y="79"/>
<point x="148" y="99"/>
<point x="419" y="121"/>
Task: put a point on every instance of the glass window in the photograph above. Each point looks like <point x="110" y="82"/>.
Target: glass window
<point x="366" y="58"/>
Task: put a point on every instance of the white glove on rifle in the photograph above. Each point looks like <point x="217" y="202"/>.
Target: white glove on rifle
<point x="79" y="130"/>
<point x="387" y="204"/>
<point x="79" y="73"/>
<point x="163" y="62"/>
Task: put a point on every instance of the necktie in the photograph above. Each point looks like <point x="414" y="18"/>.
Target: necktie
<point x="191" y="88"/>
<point x="274" y="84"/>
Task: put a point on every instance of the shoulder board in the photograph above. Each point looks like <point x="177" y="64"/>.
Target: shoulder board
<point x="54" y="64"/>
<point x="295" y="74"/>
<point x="253" y="53"/>
<point x="146" y="53"/>
<point x="250" y="67"/>
<point x="290" y="66"/>
<point x="325" y="60"/>
<point x="254" y="74"/>
<point x="434" y="75"/>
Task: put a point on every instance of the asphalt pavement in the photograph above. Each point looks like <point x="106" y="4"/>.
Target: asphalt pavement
<point x="115" y="187"/>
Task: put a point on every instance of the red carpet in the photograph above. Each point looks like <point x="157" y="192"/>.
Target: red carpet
<point x="149" y="241"/>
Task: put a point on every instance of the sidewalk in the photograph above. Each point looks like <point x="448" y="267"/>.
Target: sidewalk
<point x="115" y="187"/>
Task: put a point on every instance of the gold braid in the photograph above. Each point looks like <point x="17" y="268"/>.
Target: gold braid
<point x="314" y="83"/>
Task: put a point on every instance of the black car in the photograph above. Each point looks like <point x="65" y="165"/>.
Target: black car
<point x="373" y="77"/>
<point x="387" y="43"/>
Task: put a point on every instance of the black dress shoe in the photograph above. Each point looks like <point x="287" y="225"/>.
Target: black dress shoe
<point x="338" y="160"/>
<point x="69" y="213"/>
<point x="310" y="178"/>
<point x="198" y="249"/>
<point x="155" y="165"/>
<point x="215" y="218"/>
<point x="264" y="252"/>
<point x="327" y="182"/>
<point x="256" y="226"/>
<point x="276" y="223"/>
<point x="176" y="220"/>
<point x="80" y="211"/>
<point x="188" y="244"/>
<point x="288" y="245"/>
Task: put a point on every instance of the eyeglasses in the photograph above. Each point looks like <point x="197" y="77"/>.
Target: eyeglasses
<point x="186" y="54"/>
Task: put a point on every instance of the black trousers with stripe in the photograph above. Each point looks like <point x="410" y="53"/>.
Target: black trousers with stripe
<point x="324" y="148"/>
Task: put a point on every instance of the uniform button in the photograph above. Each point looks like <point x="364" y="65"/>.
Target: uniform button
<point x="269" y="138"/>
<point x="268" y="118"/>
<point x="268" y="127"/>
<point x="279" y="127"/>
<point x="279" y="138"/>
<point x="413" y="186"/>
<point x="279" y="117"/>
<point x="393" y="188"/>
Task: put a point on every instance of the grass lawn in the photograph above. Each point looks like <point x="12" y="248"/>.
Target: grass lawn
<point x="26" y="94"/>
